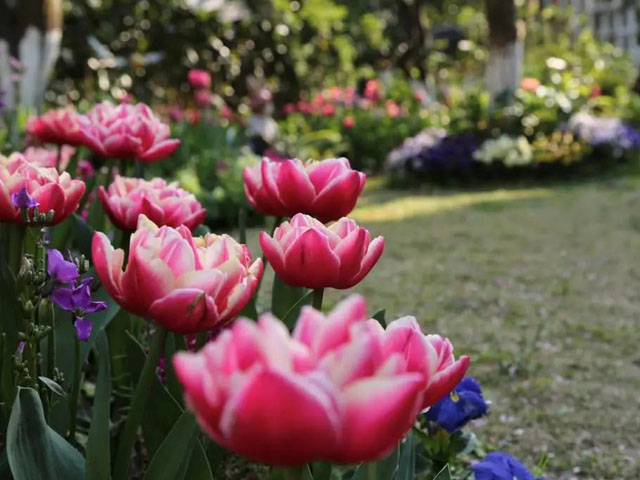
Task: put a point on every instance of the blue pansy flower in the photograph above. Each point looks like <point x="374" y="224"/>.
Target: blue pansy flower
<point x="501" y="466"/>
<point x="463" y="404"/>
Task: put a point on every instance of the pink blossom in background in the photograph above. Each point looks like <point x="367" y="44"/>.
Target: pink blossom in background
<point x="128" y="132"/>
<point x="45" y="157"/>
<point x="61" y="127"/>
<point x="199" y="79"/>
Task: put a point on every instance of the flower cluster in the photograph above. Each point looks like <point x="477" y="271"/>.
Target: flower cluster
<point x="605" y="132"/>
<point x="508" y="150"/>
<point x="452" y="153"/>
<point x="339" y="388"/>
<point x="412" y="147"/>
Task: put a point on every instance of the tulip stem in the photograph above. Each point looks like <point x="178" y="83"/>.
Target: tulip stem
<point x="138" y="169"/>
<point x="58" y="158"/>
<point x="140" y="396"/>
<point x="318" y="294"/>
<point x="242" y="224"/>
<point x="75" y="391"/>
<point x="16" y="246"/>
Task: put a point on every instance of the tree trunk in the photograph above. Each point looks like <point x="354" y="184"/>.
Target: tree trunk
<point x="506" y="48"/>
<point x="30" y="31"/>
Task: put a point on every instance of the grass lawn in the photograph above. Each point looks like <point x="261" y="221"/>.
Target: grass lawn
<point x="542" y="288"/>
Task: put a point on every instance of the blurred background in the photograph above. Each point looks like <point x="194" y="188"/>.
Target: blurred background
<point x="501" y="139"/>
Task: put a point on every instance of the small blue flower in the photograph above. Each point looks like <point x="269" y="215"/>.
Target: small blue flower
<point x="501" y="466"/>
<point x="22" y="200"/>
<point x="463" y="404"/>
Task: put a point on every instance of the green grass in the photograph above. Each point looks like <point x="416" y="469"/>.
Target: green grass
<point x="542" y="288"/>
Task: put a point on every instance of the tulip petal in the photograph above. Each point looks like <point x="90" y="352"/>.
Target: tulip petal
<point x="294" y="416"/>
<point x="310" y="262"/>
<point x="108" y="265"/>
<point x="376" y="247"/>
<point x="185" y="310"/>
<point x="159" y="151"/>
<point x="351" y="252"/>
<point x="403" y="336"/>
<point x="296" y="191"/>
<point x="378" y="413"/>
<point x="338" y="198"/>
<point x="445" y="381"/>
<point x="336" y="329"/>
<point x="273" y="253"/>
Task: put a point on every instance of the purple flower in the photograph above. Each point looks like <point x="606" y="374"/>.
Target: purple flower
<point x="463" y="404"/>
<point x="83" y="328"/>
<point x="77" y="300"/>
<point x="23" y="200"/>
<point x="501" y="466"/>
<point x="60" y="269"/>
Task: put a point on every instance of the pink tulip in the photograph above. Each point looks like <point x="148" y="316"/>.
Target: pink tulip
<point x="62" y="127"/>
<point x="392" y="109"/>
<point x="85" y="169"/>
<point x="52" y="191"/>
<point x="163" y="203"/>
<point x="530" y="84"/>
<point x="186" y="284"/>
<point x="306" y="253"/>
<point x="341" y="388"/>
<point x="43" y="157"/>
<point x="372" y="91"/>
<point x="203" y="98"/>
<point x="199" y="79"/>
<point x="327" y="190"/>
<point x="129" y="132"/>
<point x="349" y="122"/>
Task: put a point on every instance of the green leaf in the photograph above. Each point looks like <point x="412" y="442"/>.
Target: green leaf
<point x="82" y="235"/>
<point x="285" y="300"/>
<point x="35" y="450"/>
<point x="407" y="465"/>
<point x="380" y="317"/>
<point x="98" y="445"/>
<point x="53" y="386"/>
<point x="166" y="463"/>
<point x="199" y="466"/>
<point x="321" y="470"/>
<point x="158" y="421"/>
<point x="444" y="474"/>
<point x="175" y="342"/>
<point x="292" y="315"/>
<point x="384" y="468"/>
<point x="100" y="321"/>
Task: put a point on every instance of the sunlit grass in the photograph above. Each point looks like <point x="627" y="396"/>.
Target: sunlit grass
<point x="410" y="206"/>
